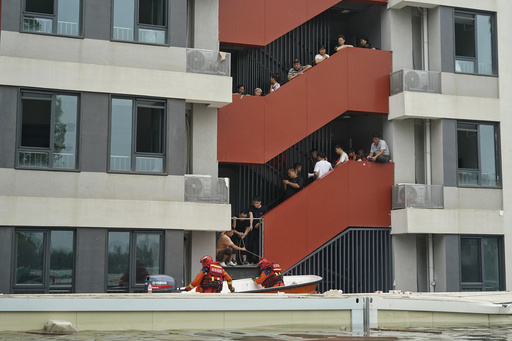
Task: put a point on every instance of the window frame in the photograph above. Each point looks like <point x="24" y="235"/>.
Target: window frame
<point x="494" y="42"/>
<point x="50" y="149"/>
<point x="137" y="25"/>
<point x="497" y="150"/>
<point x="54" y="18"/>
<point x="501" y="263"/>
<point x="133" y="145"/>
<point x="44" y="287"/>
<point x="133" y="287"/>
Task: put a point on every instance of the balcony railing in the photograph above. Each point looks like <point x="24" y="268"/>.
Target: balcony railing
<point x="417" y="196"/>
<point x="209" y="62"/>
<point x="415" y="80"/>
<point x="204" y="188"/>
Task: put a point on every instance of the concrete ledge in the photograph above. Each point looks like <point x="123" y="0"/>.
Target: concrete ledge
<point x="410" y="104"/>
<point x="472" y="4"/>
<point x="444" y="221"/>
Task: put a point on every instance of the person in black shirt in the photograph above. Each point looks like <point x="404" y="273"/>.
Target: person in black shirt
<point x="241" y="229"/>
<point x="256" y="211"/>
<point x="293" y="184"/>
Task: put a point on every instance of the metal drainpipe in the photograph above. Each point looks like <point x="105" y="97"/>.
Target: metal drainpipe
<point x="428" y="154"/>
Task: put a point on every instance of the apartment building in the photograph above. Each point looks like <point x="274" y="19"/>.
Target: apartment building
<point x="107" y="110"/>
<point x="437" y="217"/>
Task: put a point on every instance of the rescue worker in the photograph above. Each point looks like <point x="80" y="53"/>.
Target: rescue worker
<point x="270" y="274"/>
<point x="210" y="277"/>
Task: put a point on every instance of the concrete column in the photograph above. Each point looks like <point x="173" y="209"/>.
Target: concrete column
<point x="399" y="134"/>
<point x="405" y="264"/>
<point x="204" y="140"/>
<point x="206" y="24"/>
<point x="6" y="251"/>
<point x="203" y="243"/>
<point x="394" y="23"/>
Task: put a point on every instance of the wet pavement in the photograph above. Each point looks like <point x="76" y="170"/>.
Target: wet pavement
<point x="470" y="334"/>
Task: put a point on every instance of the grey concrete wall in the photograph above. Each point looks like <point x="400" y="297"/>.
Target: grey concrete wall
<point x="173" y="263"/>
<point x="176" y="137"/>
<point x="447" y="39"/>
<point x="394" y="23"/>
<point x="6" y="242"/>
<point x="91" y="260"/>
<point x="434" y="39"/>
<point x="11" y="14"/>
<point x="204" y="140"/>
<point x="405" y="264"/>
<point x="206" y="24"/>
<point x="8" y="107"/>
<point x="421" y="262"/>
<point x="399" y="134"/>
<point x="450" y="152"/>
<point x="436" y="148"/>
<point x="94" y="123"/>
<point x="452" y="259"/>
<point x="97" y="19"/>
<point x="178" y="23"/>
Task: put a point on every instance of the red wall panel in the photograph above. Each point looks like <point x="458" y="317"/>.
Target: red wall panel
<point x="240" y="134"/>
<point x="345" y="197"/>
<point x="353" y="79"/>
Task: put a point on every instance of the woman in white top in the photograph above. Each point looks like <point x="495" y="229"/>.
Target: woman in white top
<point x="274" y="85"/>
<point x="321" y="56"/>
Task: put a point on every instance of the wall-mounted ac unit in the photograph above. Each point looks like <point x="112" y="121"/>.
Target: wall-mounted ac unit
<point x="203" y="188"/>
<point x="416" y="81"/>
<point x="201" y="60"/>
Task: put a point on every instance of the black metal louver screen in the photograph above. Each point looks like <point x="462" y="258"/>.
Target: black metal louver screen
<point x="358" y="260"/>
<point x="252" y="66"/>
<point x="248" y="181"/>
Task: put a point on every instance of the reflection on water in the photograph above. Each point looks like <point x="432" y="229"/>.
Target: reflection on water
<point x="470" y="334"/>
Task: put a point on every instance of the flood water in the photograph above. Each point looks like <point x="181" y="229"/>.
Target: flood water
<point x="473" y="334"/>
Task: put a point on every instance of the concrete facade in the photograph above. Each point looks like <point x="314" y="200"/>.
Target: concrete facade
<point x="478" y="212"/>
<point x="91" y="200"/>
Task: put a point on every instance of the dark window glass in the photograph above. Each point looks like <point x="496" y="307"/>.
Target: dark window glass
<point x="152" y="12"/>
<point x="137" y="135"/>
<point x="118" y="268"/>
<point x="150" y="130"/>
<point x="61" y="261"/>
<point x="40" y="6"/>
<point x="30" y="251"/>
<point x="474" y="43"/>
<point x="36" y="122"/>
<point x="478" y="154"/>
<point x="481" y="263"/>
<point x="140" y="20"/>
<point x="48" y="131"/>
<point x="470" y="257"/>
<point x="132" y="256"/>
<point x="45" y="261"/>
<point x="465" y="35"/>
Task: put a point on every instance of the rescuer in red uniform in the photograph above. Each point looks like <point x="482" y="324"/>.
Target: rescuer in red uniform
<point x="270" y="274"/>
<point x="210" y="277"/>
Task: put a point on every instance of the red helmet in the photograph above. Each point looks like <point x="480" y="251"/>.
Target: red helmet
<point x="206" y="260"/>
<point x="263" y="263"/>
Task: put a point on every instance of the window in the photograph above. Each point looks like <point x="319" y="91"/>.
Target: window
<point x="62" y="17"/>
<point x="481" y="263"/>
<point x="137" y="135"/>
<point x="44" y="261"/>
<point x="132" y="256"/>
<point x="48" y="130"/>
<point x="478" y="154"/>
<point x="140" y="20"/>
<point x="475" y="43"/>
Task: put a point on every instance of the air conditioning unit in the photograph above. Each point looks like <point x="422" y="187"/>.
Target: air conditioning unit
<point x="204" y="188"/>
<point x="409" y="195"/>
<point x="416" y="81"/>
<point x="201" y="60"/>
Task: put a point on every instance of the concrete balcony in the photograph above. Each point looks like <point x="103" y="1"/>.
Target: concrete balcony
<point x="421" y="94"/>
<point x="475" y="4"/>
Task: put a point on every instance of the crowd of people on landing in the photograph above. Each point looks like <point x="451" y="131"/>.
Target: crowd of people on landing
<point x="299" y="69"/>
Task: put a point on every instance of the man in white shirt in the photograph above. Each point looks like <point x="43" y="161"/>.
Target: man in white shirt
<point x="322" y="167"/>
<point x="379" y="150"/>
<point x="343" y="156"/>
